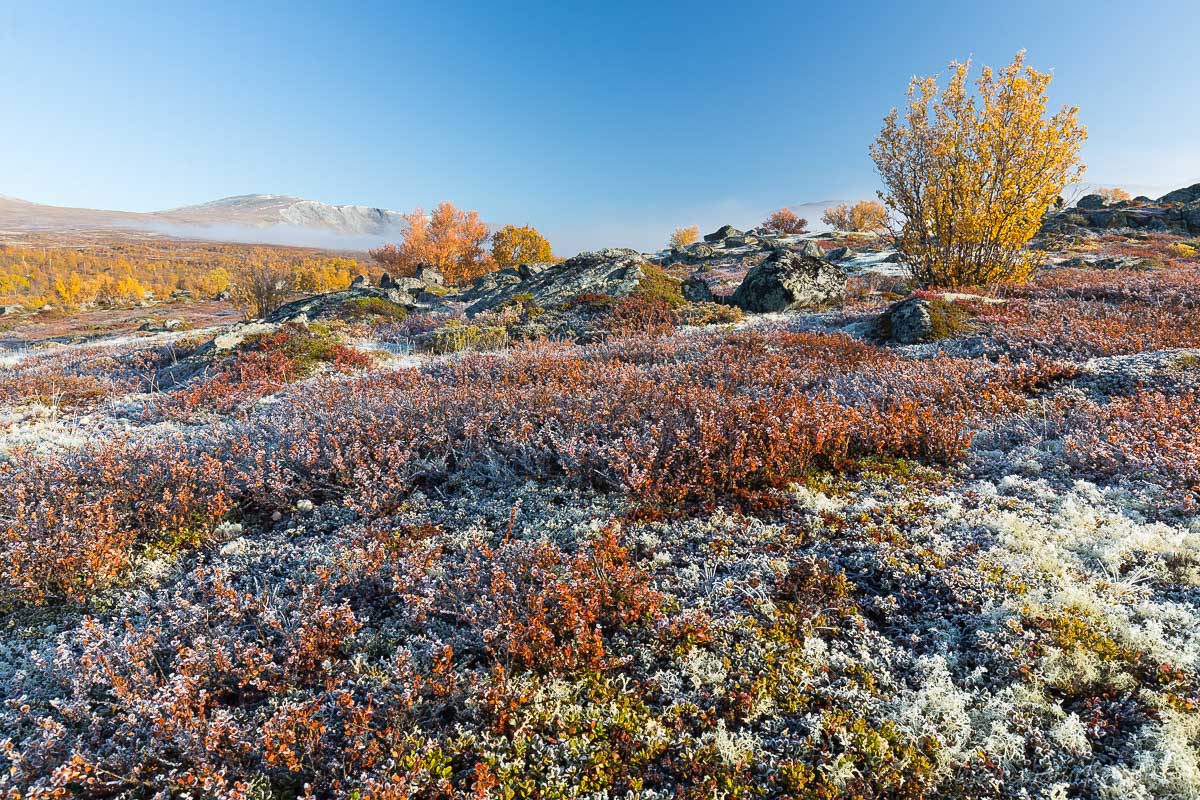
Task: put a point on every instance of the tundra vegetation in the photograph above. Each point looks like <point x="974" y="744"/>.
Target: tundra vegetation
<point x="623" y="540"/>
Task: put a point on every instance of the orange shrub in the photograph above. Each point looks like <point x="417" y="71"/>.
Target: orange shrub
<point x="1114" y="194"/>
<point x="1150" y="434"/>
<point x="785" y="221"/>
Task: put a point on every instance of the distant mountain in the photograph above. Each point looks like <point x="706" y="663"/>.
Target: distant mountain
<point x="265" y="218"/>
<point x="264" y="210"/>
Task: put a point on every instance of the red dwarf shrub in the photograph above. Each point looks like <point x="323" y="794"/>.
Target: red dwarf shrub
<point x="1150" y="434"/>
<point x="75" y="517"/>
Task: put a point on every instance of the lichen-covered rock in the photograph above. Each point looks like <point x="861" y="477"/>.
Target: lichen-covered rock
<point x="429" y="275"/>
<point x="696" y="290"/>
<point x="810" y="248"/>
<point x="789" y="280"/>
<point x="331" y="305"/>
<point x="614" y="272"/>
<point x="1113" y="262"/>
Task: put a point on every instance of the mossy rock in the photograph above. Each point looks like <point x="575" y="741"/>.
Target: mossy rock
<point x="923" y="319"/>
<point x="373" y="307"/>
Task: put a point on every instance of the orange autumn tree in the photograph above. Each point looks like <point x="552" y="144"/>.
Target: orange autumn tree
<point x="969" y="175"/>
<point x="449" y="239"/>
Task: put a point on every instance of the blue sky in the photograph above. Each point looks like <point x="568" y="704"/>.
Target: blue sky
<point x="602" y="124"/>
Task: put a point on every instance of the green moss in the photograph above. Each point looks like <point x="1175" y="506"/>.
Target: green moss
<point x="708" y="314"/>
<point x="948" y="319"/>
<point x="656" y="284"/>
<point x="368" y="307"/>
<point x="1187" y="361"/>
<point x="457" y="337"/>
<point x="526" y="305"/>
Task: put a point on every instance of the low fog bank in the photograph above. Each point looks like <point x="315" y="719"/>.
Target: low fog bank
<point x="292" y="235"/>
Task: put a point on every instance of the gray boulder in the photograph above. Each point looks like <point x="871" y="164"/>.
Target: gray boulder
<point x="722" y="233"/>
<point x="696" y="290"/>
<point x="427" y="274"/>
<point x="808" y="247"/>
<point x="1090" y="202"/>
<point x="924" y="319"/>
<point x="907" y="322"/>
<point x="789" y="280"/>
<point x="527" y="271"/>
<point x="360" y="282"/>
<point x="840" y="254"/>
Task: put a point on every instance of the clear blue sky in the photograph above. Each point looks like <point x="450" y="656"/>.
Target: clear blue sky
<point x="604" y="123"/>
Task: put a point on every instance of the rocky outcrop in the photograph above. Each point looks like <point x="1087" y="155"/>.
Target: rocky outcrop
<point x="1189" y="194"/>
<point x="696" y="290"/>
<point x="788" y="280"/>
<point x="407" y="292"/>
<point x="1112" y="262"/>
<point x="613" y="272"/>
<point x="1175" y="212"/>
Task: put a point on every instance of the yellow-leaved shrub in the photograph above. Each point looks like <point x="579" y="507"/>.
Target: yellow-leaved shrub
<point x="512" y="245"/>
<point x="970" y="175"/>
<point x="682" y="237"/>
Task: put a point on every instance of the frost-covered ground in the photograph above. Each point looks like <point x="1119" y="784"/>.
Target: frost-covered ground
<point x="766" y="559"/>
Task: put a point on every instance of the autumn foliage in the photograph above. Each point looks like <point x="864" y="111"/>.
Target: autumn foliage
<point x="682" y="237"/>
<point x="971" y="174"/>
<point x="448" y="239"/>
<point x="785" y="221"/>
<point x="865" y="216"/>
<point x="105" y="273"/>
<point x="1114" y="194"/>
<point x="512" y="245"/>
